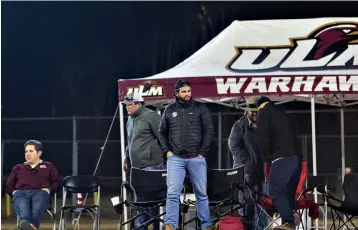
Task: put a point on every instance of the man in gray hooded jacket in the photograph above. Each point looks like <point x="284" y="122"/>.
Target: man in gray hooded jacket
<point x="143" y="148"/>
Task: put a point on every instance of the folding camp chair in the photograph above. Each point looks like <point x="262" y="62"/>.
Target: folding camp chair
<point x="302" y="204"/>
<point x="149" y="190"/>
<point x="315" y="184"/>
<point x="51" y="211"/>
<point x="347" y="209"/>
<point x="77" y="185"/>
<point x="222" y="188"/>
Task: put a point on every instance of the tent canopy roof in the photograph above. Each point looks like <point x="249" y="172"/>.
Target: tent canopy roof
<point x="284" y="59"/>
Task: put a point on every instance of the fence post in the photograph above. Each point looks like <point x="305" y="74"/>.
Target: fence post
<point x="219" y="141"/>
<point x="7" y="197"/>
<point x="74" y="154"/>
<point x="2" y="161"/>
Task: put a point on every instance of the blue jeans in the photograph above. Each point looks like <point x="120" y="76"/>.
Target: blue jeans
<point x="155" y="211"/>
<point x="31" y="204"/>
<point x="175" y="178"/>
<point x="284" y="178"/>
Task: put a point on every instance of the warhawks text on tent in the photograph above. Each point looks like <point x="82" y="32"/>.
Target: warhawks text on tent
<point x="294" y="84"/>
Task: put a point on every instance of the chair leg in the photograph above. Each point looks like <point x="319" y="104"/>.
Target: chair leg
<point x="62" y="224"/>
<point x="53" y="221"/>
<point x="17" y="222"/>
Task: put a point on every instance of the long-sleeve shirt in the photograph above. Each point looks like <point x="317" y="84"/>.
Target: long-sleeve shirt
<point x="23" y="176"/>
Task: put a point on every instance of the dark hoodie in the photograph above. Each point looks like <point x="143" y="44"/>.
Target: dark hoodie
<point x="277" y="133"/>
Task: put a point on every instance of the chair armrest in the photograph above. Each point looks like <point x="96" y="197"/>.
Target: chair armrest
<point x="128" y="187"/>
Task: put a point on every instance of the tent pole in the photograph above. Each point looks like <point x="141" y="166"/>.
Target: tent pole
<point x="123" y="156"/>
<point x="219" y="140"/>
<point x="343" y="150"/>
<point x="314" y="152"/>
<point x="161" y="209"/>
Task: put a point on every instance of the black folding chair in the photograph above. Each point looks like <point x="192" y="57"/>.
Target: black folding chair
<point x="84" y="185"/>
<point x="149" y="190"/>
<point x="223" y="188"/>
<point x="347" y="209"/>
<point x="51" y="211"/>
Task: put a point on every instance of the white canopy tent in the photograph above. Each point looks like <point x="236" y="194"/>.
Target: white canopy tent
<point x="312" y="60"/>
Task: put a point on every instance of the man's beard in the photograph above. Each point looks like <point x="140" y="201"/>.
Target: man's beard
<point x="252" y="118"/>
<point x="183" y="99"/>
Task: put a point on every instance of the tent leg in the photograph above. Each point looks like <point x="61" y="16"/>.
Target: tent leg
<point x="219" y="141"/>
<point x="314" y="152"/>
<point x="161" y="209"/>
<point x="343" y="152"/>
<point x="123" y="156"/>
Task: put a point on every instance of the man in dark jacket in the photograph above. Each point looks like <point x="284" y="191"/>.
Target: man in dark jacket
<point x="143" y="149"/>
<point x="279" y="142"/>
<point x="185" y="133"/>
<point x="245" y="148"/>
<point x="30" y="185"/>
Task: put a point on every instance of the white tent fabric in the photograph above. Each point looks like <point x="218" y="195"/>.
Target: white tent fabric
<point x="211" y="58"/>
<point x="295" y="58"/>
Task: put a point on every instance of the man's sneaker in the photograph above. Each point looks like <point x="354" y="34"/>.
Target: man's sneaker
<point x="211" y="227"/>
<point x="25" y="225"/>
<point x="168" y="227"/>
<point x="285" y="226"/>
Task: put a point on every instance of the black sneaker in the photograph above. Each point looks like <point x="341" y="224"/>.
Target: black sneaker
<point x="25" y="225"/>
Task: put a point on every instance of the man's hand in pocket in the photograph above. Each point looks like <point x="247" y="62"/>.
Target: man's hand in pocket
<point x="46" y="190"/>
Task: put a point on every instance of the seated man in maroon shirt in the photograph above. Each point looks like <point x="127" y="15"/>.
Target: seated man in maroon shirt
<point x="31" y="184"/>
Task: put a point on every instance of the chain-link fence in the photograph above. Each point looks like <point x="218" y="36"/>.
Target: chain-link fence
<point x="74" y="144"/>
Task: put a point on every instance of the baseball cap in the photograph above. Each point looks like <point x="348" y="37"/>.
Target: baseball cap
<point x="261" y="100"/>
<point x="133" y="98"/>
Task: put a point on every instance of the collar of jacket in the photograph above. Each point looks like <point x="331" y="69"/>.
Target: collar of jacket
<point x="184" y="104"/>
<point x="139" y="112"/>
<point x="41" y="161"/>
<point x="250" y="122"/>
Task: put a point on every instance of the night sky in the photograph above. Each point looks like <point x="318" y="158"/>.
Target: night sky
<point x="64" y="58"/>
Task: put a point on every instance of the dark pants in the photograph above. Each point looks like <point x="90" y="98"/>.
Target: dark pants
<point x="284" y="178"/>
<point x="31" y="204"/>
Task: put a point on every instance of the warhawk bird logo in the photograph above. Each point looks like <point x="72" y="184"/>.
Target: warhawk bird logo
<point x="334" y="39"/>
<point x="331" y="46"/>
<point x="147" y="85"/>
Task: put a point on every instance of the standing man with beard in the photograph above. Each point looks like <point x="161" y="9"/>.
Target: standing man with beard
<point x="245" y="149"/>
<point x="185" y="133"/>
<point x="143" y="148"/>
<point x="280" y="144"/>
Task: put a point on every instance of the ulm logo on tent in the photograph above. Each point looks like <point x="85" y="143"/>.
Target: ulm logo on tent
<point x="331" y="46"/>
<point x="148" y="89"/>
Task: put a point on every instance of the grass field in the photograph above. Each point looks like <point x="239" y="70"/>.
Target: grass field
<point x="109" y="218"/>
